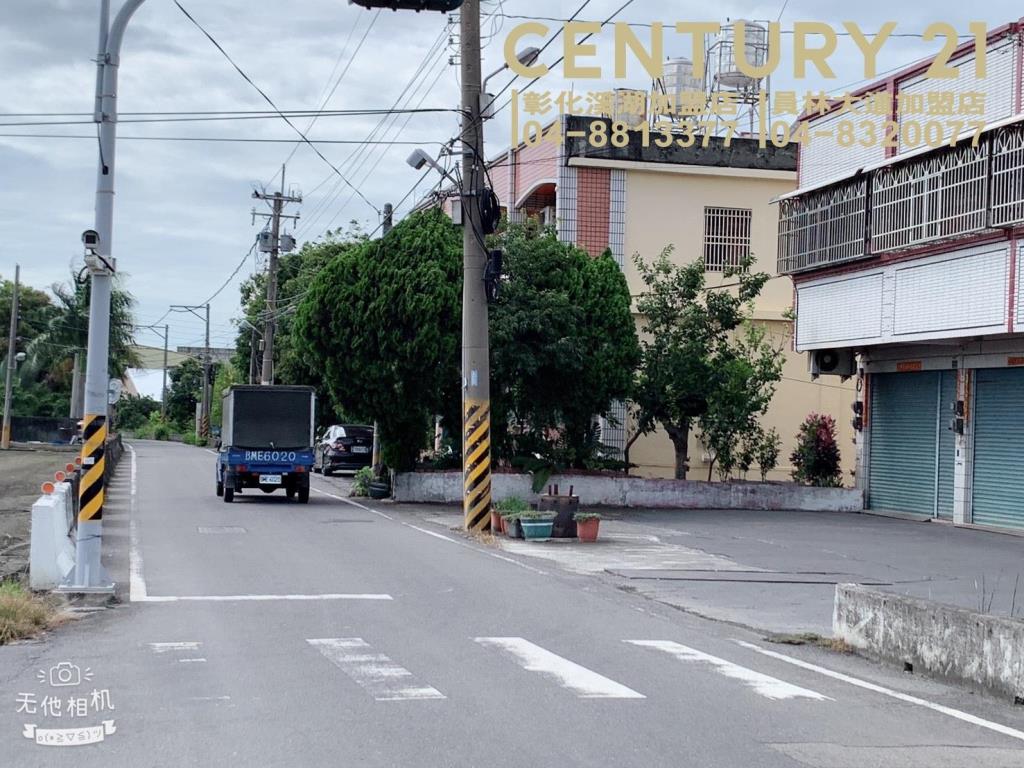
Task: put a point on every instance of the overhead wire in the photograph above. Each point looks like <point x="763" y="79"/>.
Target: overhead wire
<point x="272" y="104"/>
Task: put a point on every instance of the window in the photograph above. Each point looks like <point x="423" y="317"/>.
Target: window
<point x="726" y="237"/>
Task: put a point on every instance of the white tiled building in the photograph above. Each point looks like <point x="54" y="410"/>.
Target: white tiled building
<point x="909" y="257"/>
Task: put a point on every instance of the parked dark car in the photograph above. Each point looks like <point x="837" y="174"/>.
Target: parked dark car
<point x="344" y="447"/>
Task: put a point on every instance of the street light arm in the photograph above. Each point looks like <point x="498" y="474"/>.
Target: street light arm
<point x="116" y="35"/>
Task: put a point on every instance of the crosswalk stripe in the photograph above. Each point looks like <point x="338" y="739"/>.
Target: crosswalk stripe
<point x="763" y="685"/>
<point x="587" y="683"/>
<point x="374" y="672"/>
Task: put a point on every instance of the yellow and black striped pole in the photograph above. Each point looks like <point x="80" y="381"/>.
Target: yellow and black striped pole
<point x="90" y="490"/>
<point x="476" y="450"/>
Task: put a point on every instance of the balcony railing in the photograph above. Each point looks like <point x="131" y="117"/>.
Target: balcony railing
<point x="947" y="194"/>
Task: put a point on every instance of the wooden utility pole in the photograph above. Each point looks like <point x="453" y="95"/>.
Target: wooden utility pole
<point x="12" y="344"/>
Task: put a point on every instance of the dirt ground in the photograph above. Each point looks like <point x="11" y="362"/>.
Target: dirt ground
<point x="22" y="471"/>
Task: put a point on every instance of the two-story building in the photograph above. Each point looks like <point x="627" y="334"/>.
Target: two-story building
<point x="903" y="241"/>
<point x="712" y="202"/>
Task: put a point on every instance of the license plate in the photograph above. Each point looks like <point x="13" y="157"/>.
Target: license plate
<point x="360" y="449"/>
<point x="270" y="479"/>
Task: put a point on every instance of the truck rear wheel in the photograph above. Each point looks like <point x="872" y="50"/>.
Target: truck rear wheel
<point x="304" y="495"/>
<point x="229" y="494"/>
<point x="220" y="488"/>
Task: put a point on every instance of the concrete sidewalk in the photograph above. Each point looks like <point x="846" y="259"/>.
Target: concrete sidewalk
<point x="776" y="571"/>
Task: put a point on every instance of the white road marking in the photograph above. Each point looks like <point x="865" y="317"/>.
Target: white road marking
<point x="587" y="683"/>
<point x="258" y="598"/>
<point x="215" y="453"/>
<point x="353" y="503"/>
<point x="769" y="687"/>
<point x="188" y="645"/>
<point x="189" y="661"/>
<point x="210" y="698"/>
<point x="136" y="581"/>
<point x="376" y="673"/>
<point x="431" y="533"/>
<point x="956" y="713"/>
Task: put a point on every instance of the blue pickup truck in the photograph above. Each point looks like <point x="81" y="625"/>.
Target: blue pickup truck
<point x="266" y="440"/>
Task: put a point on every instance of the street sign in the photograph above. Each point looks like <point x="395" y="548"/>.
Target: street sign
<point x="114" y="390"/>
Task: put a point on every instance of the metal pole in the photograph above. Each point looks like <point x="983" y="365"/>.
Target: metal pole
<point x="12" y="343"/>
<point x="375" y="461"/>
<point x="204" y="417"/>
<point x="88" y="573"/>
<point x="252" y="356"/>
<point x="476" y="392"/>
<point x="163" y="385"/>
<point x="268" y="332"/>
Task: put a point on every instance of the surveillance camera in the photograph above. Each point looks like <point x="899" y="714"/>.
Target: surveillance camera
<point x="91" y="238"/>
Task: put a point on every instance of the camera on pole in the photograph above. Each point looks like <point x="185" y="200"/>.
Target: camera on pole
<point x="444" y="6"/>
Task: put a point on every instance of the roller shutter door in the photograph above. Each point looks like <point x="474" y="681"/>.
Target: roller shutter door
<point x="911" y="450"/>
<point x="998" y="454"/>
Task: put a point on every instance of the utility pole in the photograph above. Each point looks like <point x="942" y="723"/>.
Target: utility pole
<point x="203" y="427"/>
<point x="88" y="574"/>
<point x="375" y="461"/>
<point x="476" y="389"/>
<point x="12" y="343"/>
<point x="252" y="356"/>
<point x="277" y="202"/>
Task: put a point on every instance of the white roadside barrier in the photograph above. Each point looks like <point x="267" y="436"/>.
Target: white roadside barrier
<point x="52" y="546"/>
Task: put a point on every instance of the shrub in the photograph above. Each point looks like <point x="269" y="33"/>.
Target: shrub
<point x="816" y="457"/>
<point x="512" y="506"/>
<point x="586" y="515"/>
<point x="22" y="614"/>
<point x="161" y="432"/>
<point x="361" y="482"/>
<point x="189" y="438"/>
<point x="767" y="452"/>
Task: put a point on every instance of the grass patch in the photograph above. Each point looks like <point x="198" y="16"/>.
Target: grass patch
<point x="22" y="614"/>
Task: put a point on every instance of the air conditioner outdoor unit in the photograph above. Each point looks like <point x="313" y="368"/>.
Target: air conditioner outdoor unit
<point x="833" y="362"/>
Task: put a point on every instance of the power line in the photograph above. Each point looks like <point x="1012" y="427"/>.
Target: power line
<point x="272" y="104"/>
<point x="224" y="139"/>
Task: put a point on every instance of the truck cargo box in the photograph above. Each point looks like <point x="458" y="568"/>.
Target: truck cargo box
<point x="268" y="417"/>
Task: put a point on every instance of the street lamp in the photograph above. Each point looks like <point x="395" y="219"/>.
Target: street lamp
<point x="526" y="57"/>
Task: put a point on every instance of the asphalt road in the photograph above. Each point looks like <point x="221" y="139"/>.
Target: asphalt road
<point x="268" y="633"/>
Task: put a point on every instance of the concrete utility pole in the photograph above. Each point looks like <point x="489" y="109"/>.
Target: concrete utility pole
<point x="375" y="460"/>
<point x="88" y="574"/>
<point x="277" y="202"/>
<point x="163" y="385"/>
<point x="75" y="411"/>
<point x="12" y="344"/>
<point x="476" y="389"/>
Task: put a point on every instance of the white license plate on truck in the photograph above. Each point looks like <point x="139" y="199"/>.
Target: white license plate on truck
<point x="360" y="449"/>
<point x="270" y="479"/>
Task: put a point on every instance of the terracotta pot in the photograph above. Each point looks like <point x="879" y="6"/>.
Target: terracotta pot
<point x="495" y="522"/>
<point x="586" y="529"/>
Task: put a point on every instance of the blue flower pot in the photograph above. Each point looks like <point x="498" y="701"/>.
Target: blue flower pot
<point x="537" y="529"/>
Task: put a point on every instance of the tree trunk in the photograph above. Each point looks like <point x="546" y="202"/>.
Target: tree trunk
<point x="680" y="437"/>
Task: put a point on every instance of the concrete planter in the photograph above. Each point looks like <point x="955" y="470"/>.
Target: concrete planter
<point x="622" y="491"/>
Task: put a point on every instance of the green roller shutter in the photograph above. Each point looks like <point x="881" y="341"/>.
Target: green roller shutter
<point x="911" y="451"/>
<point x="998" y="466"/>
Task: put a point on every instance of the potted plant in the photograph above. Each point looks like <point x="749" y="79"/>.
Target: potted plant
<point x="536" y="525"/>
<point x="508" y="512"/>
<point x="587" y="524"/>
<point x="361" y="482"/>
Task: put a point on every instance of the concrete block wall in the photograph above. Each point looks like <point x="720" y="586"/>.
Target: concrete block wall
<point x="622" y="491"/>
<point x="984" y="651"/>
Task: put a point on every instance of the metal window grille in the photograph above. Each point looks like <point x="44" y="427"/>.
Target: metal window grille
<point x="937" y="196"/>
<point x="726" y="237"/>
<point x="827" y="226"/>
<point x="1007" y="205"/>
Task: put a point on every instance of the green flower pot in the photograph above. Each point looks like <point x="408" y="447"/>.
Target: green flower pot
<point x="537" y="529"/>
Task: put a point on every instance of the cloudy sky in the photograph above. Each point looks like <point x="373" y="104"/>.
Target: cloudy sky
<point x="182" y="216"/>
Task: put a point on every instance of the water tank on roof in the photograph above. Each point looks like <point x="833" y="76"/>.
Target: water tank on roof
<point x="630" y="107"/>
<point x="680" y="78"/>
<point x="727" y="73"/>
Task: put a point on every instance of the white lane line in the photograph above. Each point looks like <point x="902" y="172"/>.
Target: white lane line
<point x="259" y="598"/>
<point x="213" y="452"/>
<point x="495" y="555"/>
<point x="190" y="661"/>
<point x="376" y="673"/>
<point x="136" y="581"/>
<point x="587" y="683"/>
<point x="769" y="687"/>
<point x="188" y="645"/>
<point x="956" y="713"/>
<point x="209" y="698"/>
<point x="435" y="534"/>
<point x="353" y="503"/>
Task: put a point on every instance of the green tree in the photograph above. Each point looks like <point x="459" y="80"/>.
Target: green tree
<point x="380" y="327"/>
<point x="133" y="411"/>
<point x="749" y="366"/>
<point x="226" y="376"/>
<point x="563" y="347"/>
<point x="183" y="392"/>
<point x="687" y="352"/>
